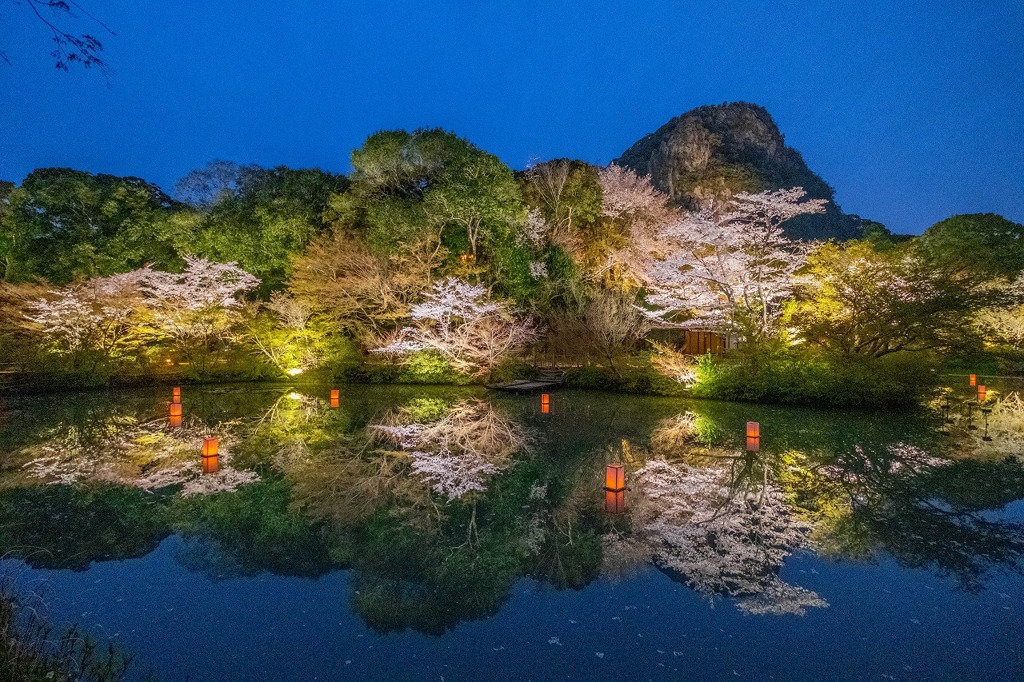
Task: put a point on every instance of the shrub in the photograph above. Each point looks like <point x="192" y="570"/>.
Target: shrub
<point x="813" y="377"/>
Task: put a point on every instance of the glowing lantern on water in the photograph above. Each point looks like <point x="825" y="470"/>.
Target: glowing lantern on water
<point x="615" y="501"/>
<point x="174" y="417"/>
<point x="615" y="477"/>
<point x="335" y="397"/>
<point x="753" y="437"/>
<point x="176" y="394"/>
<point x="545" y="403"/>
<point x="974" y="380"/>
<point x="210" y="456"/>
<point x="981" y="393"/>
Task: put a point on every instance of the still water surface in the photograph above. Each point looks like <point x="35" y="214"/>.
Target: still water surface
<point x="420" y="533"/>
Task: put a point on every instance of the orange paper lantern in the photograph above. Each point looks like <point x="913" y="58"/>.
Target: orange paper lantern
<point x="335" y="397"/>
<point x="176" y="394"/>
<point x="615" y="477"/>
<point x="210" y="455"/>
<point x="974" y="380"/>
<point x="176" y="410"/>
<point x="753" y="437"/>
<point x="174" y="421"/>
<point x="615" y="501"/>
<point x="981" y="393"/>
<point x="545" y="403"/>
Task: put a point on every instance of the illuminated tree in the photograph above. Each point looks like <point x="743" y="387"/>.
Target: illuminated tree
<point x="729" y="270"/>
<point x="858" y="300"/>
<point x="104" y="314"/>
<point x="465" y="326"/>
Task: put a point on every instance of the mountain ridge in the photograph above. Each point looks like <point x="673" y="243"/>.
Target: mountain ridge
<point x="715" y="151"/>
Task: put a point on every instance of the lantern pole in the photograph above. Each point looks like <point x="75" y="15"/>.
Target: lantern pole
<point x="986" y="411"/>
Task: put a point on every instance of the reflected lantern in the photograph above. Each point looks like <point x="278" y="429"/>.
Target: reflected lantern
<point x="174" y="416"/>
<point x="615" y="501"/>
<point x="335" y="397"/>
<point x="615" y="477"/>
<point x="210" y="455"/>
<point x="753" y="437"/>
<point x="176" y="394"/>
<point x="974" y="380"/>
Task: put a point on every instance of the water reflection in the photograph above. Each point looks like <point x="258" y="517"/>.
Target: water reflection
<point x="437" y="501"/>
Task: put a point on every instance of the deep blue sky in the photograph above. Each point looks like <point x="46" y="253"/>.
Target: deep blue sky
<point x="913" y="111"/>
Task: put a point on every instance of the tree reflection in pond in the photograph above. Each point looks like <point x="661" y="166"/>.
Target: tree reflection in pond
<point x="458" y="453"/>
<point x="439" y="501"/>
<point x="724" y="529"/>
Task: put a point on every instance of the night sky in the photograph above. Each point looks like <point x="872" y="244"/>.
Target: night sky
<point x="913" y="111"/>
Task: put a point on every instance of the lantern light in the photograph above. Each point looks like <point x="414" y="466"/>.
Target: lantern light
<point x="615" y="501"/>
<point x="545" y="403"/>
<point x="294" y="371"/>
<point x="753" y="437"/>
<point x="615" y="477"/>
<point x="174" y="421"/>
<point x="176" y="394"/>
<point x="974" y="380"/>
<point x="210" y="455"/>
<point x="981" y="393"/>
<point x="335" y="397"/>
<point x="175" y="410"/>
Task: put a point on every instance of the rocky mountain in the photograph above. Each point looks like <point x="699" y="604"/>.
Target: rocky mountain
<point x="716" y="151"/>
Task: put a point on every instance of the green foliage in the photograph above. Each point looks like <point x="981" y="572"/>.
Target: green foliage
<point x="34" y="650"/>
<point x="274" y="213"/>
<point x="982" y="244"/>
<point x="408" y="187"/>
<point x="859" y="300"/>
<point x="63" y="224"/>
<point x="252" y="530"/>
<point x="66" y="527"/>
<point x="429" y="367"/>
<point x="813" y="377"/>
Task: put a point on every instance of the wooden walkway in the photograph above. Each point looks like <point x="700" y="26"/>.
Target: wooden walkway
<point x="547" y="379"/>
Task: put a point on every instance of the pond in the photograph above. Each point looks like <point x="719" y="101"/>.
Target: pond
<point x="409" y="533"/>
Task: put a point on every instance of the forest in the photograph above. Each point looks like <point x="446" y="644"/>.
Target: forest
<point x="435" y="262"/>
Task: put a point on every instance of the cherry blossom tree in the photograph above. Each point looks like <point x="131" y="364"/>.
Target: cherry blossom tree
<point x="632" y="199"/>
<point x="729" y="270"/>
<point x="465" y="326"/>
<point x="199" y="306"/>
<point x="102" y="314"/>
<point x="119" y="314"/>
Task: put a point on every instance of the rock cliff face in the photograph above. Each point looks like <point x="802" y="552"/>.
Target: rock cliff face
<point x="715" y="151"/>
